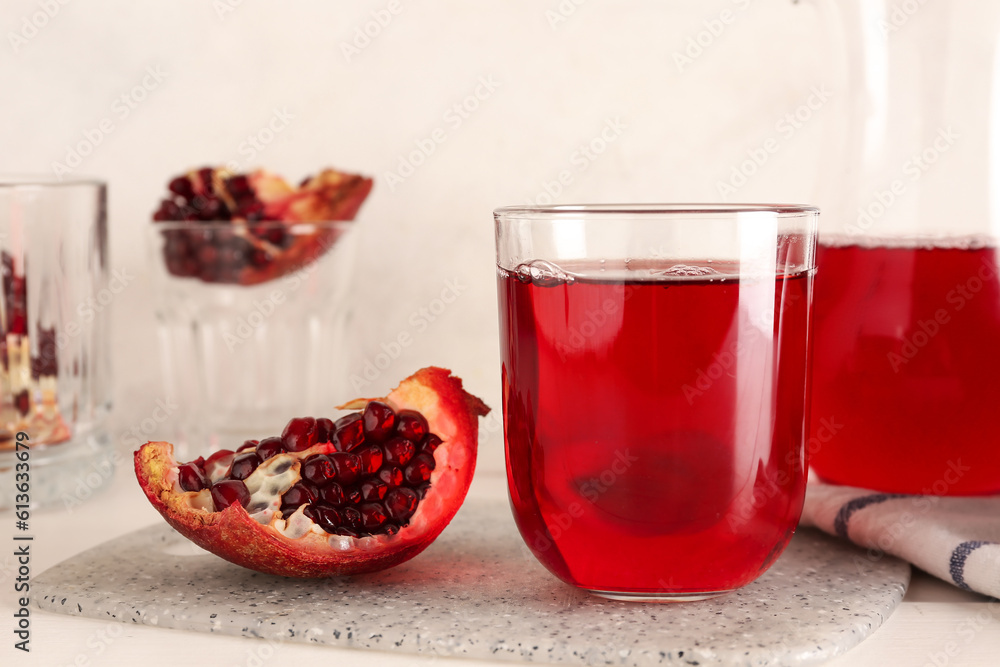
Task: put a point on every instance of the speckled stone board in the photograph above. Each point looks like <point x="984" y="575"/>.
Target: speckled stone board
<point x="477" y="592"/>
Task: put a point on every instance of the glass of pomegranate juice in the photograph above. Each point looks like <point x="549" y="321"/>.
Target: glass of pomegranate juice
<point x="655" y="390"/>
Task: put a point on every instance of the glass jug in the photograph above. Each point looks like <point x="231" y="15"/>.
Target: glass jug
<point x="906" y="384"/>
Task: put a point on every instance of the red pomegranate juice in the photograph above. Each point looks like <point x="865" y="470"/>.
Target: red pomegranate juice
<point x="655" y="425"/>
<point x="906" y="382"/>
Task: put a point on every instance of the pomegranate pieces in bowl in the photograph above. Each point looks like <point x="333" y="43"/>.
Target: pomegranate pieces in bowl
<point x="223" y="227"/>
<point x="329" y="498"/>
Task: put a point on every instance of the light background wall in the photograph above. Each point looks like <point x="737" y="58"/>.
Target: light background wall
<point x="693" y="88"/>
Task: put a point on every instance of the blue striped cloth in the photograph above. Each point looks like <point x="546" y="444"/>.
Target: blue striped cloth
<point x="956" y="539"/>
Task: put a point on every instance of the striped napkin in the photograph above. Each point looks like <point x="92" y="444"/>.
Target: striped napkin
<point x="957" y="539"/>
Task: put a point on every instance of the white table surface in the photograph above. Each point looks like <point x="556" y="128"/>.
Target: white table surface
<point x="936" y="625"/>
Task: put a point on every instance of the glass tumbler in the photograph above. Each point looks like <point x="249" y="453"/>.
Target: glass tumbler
<point x="246" y="347"/>
<point x="655" y="390"/>
<point x="55" y="392"/>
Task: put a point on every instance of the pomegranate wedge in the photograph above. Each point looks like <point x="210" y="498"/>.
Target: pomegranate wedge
<point x="329" y="498"/>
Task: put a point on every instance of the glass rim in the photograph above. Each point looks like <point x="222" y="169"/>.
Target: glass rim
<point x="212" y="225"/>
<point x="652" y="209"/>
<point x="15" y="181"/>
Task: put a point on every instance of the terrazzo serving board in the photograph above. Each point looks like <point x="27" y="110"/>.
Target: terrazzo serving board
<point x="477" y="592"/>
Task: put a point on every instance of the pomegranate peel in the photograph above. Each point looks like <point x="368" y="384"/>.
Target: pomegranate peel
<point x="379" y="530"/>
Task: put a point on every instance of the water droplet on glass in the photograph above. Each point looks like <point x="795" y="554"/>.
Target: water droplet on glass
<point x="542" y="273"/>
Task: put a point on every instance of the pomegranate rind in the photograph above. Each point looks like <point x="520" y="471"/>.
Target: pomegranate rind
<point x="329" y="196"/>
<point x="235" y="535"/>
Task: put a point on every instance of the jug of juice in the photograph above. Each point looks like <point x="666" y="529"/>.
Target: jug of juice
<point x="906" y="376"/>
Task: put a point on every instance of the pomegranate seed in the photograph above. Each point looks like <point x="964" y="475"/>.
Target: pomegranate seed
<point x="400" y="503"/>
<point x="349" y="432"/>
<point x="207" y="254"/>
<point x="244" y="465"/>
<point x="299" y="434"/>
<point x="372" y="516"/>
<point x="371" y="484"/>
<point x="347" y="465"/>
<point x="419" y="470"/>
<point x="200" y="462"/>
<point x="260" y="258"/>
<point x="326" y="517"/>
<point x="351" y="517"/>
<point x="239" y="186"/>
<point x="230" y="491"/>
<point x="430" y="443"/>
<point x="205" y="174"/>
<point x="249" y="444"/>
<point x="277" y="236"/>
<point x="324" y="429"/>
<point x="392" y="476"/>
<point x="302" y="493"/>
<point x="222" y="453"/>
<point x="333" y="494"/>
<point x="379" y="420"/>
<point x="373" y="490"/>
<point x="318" y="469"/>
<point x="371" y="458"/>
<point x="269" y="447"/>
<point x="181" y="186"/>
<point x="191" y="477"/>
<point x="411" y="425"/>
<point x="399" y="451"/>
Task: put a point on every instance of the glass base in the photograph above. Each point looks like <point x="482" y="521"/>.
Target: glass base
<point x="623" y="596"/>
<point x="66" y="474"/>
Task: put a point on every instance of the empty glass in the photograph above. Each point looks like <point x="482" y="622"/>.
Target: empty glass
<point x="54" y="306"/>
